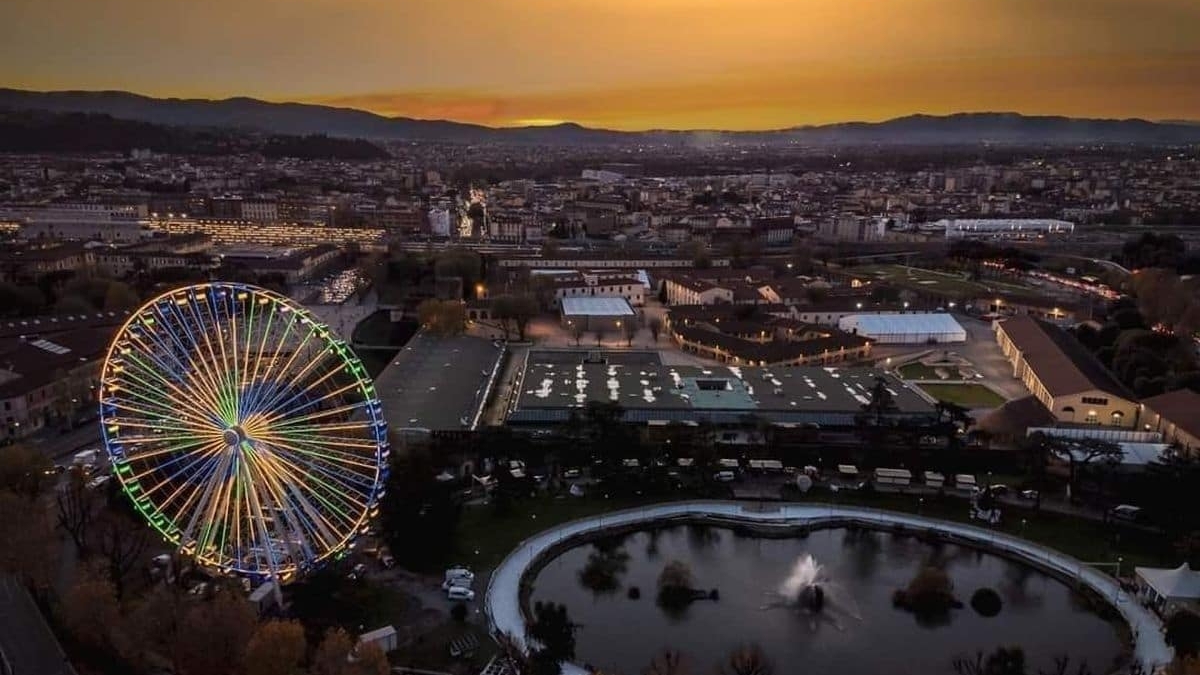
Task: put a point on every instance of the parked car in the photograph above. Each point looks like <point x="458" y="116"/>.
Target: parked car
<point x="998" y="490"/>
<point x="724" y="476"/>
<point x="1126" y="512"/>
<point x="359" y="570"/>
<point x="1029" y="494"/>
<point x="457" y="582"/>
<point x="460" y="593"/>
<point x="459" y="573"/>
<point x="571" y="473"/>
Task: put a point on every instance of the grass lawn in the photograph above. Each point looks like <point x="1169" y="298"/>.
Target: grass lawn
<point x="431" y="651"/>
<point x="948" y="284"/>
<point x="495" y="537"/>
<point x="920" y="371"/>
<point x="485" y="538"/>
<point x="1086" y="540"/>
<point x="966" y="395"/>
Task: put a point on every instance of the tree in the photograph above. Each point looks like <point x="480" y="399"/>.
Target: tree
<point x="1182" y="632"/>
<point x="577" y="331"/>
<point x="23" y="470"/>
<point x="330" y="655"/>
<point x="629" y="328"/>
<point x="1003" y="661"/>
<point x="1084" y="452"/>
<point x="120" y="296"/>
<point x="368" y="659"/>
<point x="667" y="662"/>
<point x="1038" y="448"/>
<point x="121" y="542"/>
<point x="552" y="632"/>
<point x="275" y="648"/>
<point x="417" y="507"/>
<point x="214" y="634"/>
<point x="444" y="317"/>
<point x="599" y="336"/>
<point x="76" y="509"/>
<point x="91" y="613"/>
<point x="27" y="540"/>
<point x="517" y="310"/>
<point x="655" y="325"/>
<point x="748" y="660"/>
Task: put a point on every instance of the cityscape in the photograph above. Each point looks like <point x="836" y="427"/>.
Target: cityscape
<point x="654" y="338"/>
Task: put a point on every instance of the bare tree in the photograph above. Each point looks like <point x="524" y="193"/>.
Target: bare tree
<point x="668" y="662"/>
<point x="655" y="325"/>
<point x="748" y="660"/>
<point x="121" y="542"/>
<point x="577" y="332"/>
<point x="76" y="509"/>
<point x="630" y="329"/>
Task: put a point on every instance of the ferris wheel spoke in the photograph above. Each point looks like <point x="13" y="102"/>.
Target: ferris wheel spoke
<point x="292" y="385"/>
<point x="335" y="507"/>
<point x="197" y="398"/>
<point x="195" y="467"/>
<point x="204" y="366"/>
<point x="280" y="376"/>
<point x="336" y="473"/>
<point x="152" y="344"/>
<point x="282" y="411"/>
<point x="289" y="420"/>
<point x="154" y="413"/>
<point x="311" y="449"/>
<point x="303" y="527"/>
<point x="259" y="386"/>
<point x="200" y="376"/>
<point x="159" y="407"/>
<point x="253" y="390"/>
<point x="203" y="328"/>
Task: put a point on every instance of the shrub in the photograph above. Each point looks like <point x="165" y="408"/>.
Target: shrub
<point x="986" y="602"/>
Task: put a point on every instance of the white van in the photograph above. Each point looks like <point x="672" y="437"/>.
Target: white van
<point x="459" y="573"/>
<point x="460" y="593"/>
<point x="724" y="476"/>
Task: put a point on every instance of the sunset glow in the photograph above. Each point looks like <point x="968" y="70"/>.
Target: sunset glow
<point x="627" y="64"/>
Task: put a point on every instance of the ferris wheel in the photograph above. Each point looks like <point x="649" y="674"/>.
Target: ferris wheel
<point x="243" y="429"/>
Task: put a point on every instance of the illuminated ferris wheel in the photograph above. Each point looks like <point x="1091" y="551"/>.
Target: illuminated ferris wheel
<point x="243" y="430"/>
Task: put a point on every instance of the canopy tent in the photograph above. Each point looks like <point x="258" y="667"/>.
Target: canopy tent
<point x="1163" y="588"/>
<point x="919" y="328"/>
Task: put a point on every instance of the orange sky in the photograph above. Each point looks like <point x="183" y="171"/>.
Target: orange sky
<point x="630" y="64"/>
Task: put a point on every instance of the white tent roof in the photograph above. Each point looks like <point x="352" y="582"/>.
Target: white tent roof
<point x="933" y="323"/>
<point x="1181" y="583"/>
<point x="591" y="306"/>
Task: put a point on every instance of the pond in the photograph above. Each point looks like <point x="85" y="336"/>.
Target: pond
<point x="858" y="630"/>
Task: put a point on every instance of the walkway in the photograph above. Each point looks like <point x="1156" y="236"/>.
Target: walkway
<point x="502" y="602"/>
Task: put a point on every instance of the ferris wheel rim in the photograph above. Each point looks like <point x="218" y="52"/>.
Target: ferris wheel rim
<point x="289" y="468"/>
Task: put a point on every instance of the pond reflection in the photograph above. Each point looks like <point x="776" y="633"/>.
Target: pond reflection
<point x="610" y="589"/>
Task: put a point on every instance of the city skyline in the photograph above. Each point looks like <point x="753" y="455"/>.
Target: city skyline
<point x="707" y="64"/>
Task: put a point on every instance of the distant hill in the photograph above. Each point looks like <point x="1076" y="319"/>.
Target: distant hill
<point x="43" y="131"/>
<point x="305" y="119"/>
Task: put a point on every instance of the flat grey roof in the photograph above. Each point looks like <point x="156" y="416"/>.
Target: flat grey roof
<point x="550" y="385"/>
<point x="26" y="643"/>
<point x="435" y="382"/>
<point x="590" y="306"/>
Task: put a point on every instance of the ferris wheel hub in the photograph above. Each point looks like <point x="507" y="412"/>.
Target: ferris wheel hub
<point x="234" y="436"/>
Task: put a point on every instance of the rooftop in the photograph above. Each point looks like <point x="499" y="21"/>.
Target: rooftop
<point x="1063" y="365"/>
<point x="590" y="306"/>
<point x="436" y="382"/>
<point x="686" y="392"/>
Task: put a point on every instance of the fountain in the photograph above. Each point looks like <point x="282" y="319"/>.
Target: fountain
<point x="808" y="589"/>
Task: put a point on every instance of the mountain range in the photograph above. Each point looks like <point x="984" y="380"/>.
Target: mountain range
<point x="305" y="119"/>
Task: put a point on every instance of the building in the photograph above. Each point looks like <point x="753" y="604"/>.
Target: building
<point x="49" y="368"/>
<point x="682" y="290"/>
<point x="649" y="395"/>
<point x="908" y="329"/>
<point x="27" y="645"/>
<point x="1005" y="228"/>
<point x="81" y="222"/>
<point x="596" y="313"/>
<point x="1175" y="415"/>
<point x="599" y="285"/>
<point x="1063" y="375"/>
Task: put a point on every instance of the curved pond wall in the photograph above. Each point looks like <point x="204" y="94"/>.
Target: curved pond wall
<point x="502" y="601"/>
